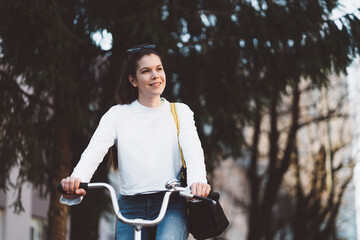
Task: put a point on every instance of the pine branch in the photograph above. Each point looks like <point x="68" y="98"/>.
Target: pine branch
<point x="15" y="85"/>
<point x="323" y="117"/>
<point x="202" y="11"/>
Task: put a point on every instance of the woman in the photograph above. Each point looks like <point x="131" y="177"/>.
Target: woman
<point x="143" y="129"/>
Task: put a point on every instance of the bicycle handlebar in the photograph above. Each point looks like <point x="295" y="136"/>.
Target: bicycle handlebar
<point x="83" y="185"/>
<point x="172" y="186"/>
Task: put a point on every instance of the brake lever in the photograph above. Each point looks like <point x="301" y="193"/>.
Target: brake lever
<point x="190" y="195"/>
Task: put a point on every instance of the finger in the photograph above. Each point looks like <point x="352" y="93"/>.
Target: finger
<point x="198" y="189"/>
<point x="77" y="184"/>
<point x="72" y="185"/>
<point x="65" y="184"/>
<point x="203" y="189"/>
<point x="80" y="192"/>
<point x="68" y="185"/>
<point x="193" y="188"/>
<point x="208" y="189"/>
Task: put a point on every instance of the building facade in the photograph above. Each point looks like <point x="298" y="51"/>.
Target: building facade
<point x="30" y="224"/>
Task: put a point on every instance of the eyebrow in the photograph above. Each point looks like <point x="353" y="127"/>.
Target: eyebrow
<point x="160" y="65"/>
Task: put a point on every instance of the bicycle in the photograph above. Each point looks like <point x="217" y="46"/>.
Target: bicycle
<point x="172" y="186"/>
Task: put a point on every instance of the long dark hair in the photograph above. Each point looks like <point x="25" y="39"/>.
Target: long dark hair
<point x="125" y="92"/>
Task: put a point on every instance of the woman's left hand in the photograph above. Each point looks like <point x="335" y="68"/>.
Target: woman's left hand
<point x="200" y="189"/>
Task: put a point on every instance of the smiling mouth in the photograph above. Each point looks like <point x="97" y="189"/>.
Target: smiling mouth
<point x="155" y="84"/>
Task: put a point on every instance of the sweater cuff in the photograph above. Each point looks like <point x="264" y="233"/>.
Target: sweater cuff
<point x="70" y="202"/>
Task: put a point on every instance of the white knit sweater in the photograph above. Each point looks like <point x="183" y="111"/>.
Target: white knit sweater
<point x="148" y="150"/>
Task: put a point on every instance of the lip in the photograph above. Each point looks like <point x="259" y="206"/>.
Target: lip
<point x="155" y="84"/>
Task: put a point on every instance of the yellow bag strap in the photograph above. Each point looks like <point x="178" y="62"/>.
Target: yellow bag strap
<point x="176" y="119"/>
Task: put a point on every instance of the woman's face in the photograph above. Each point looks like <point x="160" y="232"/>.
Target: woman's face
<point x="150" y="77"/>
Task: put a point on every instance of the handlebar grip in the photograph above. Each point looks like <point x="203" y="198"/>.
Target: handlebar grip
<point x="83" y="185"/>
<point x="214" y="196"/>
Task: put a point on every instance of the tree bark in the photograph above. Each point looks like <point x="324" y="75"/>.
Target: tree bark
<point x="60" y="168"/>
<point x="277" y="168"/>
<point x="254" y="180"/>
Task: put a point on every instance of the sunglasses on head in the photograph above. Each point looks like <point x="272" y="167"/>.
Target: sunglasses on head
<point x="137" y="49"/>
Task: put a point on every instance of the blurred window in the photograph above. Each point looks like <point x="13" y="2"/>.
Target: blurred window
<point x="38" y="228"/>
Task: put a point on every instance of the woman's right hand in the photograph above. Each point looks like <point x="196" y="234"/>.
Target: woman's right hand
<point x="71" y="187"/>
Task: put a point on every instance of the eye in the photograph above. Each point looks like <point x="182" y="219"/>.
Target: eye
<point x="159" y="68"/>
<point x="145" y="71"/>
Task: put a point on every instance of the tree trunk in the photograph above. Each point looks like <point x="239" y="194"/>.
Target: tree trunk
<point x="254" y="181"/>
<point x="261" y="227"/>
<point x="60" y="168"/>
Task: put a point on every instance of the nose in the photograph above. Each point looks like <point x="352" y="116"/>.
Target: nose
<point x="154" y="75"/>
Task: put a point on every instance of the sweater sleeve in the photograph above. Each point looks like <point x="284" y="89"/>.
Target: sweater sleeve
<point x="103" y="138"/>
<point x="191" y="146"/>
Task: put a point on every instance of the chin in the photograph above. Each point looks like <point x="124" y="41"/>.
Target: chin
<point x="160" y="91"/>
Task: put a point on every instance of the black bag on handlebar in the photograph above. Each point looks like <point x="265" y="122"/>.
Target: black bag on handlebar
<point x="205" y="220"/>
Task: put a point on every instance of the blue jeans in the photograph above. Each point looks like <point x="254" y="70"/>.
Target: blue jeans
<point x="147" y="206"/>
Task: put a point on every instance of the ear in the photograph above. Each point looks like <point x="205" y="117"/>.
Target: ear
<point x="132" y="80"/>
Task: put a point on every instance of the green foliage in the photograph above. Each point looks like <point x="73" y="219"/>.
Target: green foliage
<point x="47" y="74"/>
<point x="248" y="51"/>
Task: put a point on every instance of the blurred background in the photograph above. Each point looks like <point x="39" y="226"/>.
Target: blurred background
<point x="273" y="84"/>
